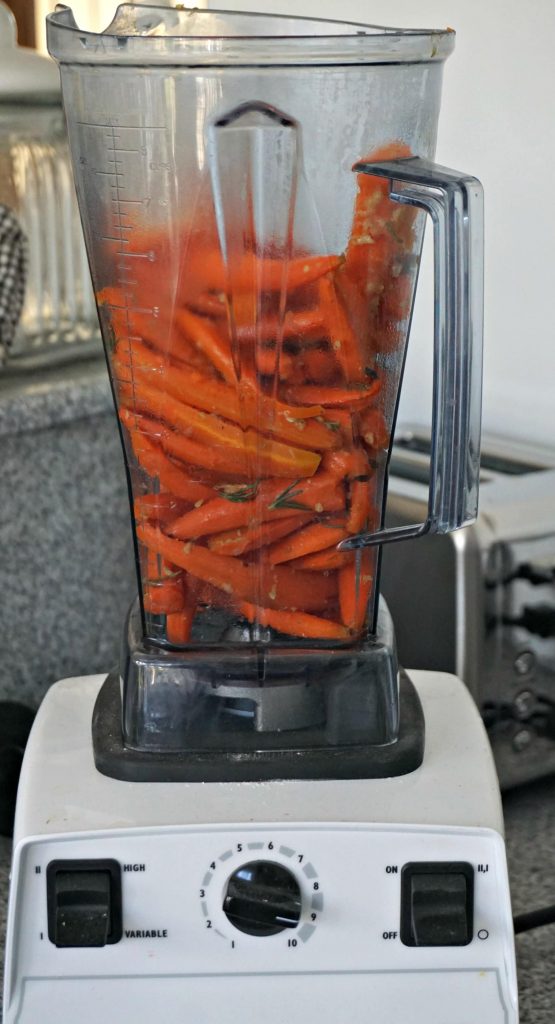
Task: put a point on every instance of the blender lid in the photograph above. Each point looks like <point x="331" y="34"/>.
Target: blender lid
<point x="189" y="36"/>
<point x="25" y="76"/>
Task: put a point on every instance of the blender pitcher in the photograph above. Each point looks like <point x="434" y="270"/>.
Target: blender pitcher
<point x="252" y="189"/>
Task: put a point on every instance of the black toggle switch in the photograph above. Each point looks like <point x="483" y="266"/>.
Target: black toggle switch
<point x="84" y="902"/>
<point x="437" y="903"/>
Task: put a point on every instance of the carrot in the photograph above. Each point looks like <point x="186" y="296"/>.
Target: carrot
<point x="163" y="597"/>
<point x="267" y="363"/>
<point x="161" y="508"/>
<point x="244" y="447"/>
<point x="253" y="273"/>
<point x="272" y="501"/>
<point x="355" y="585"/>
<point x="319" y="365"/>
<point x="154" y="461"/>
<point x="344" y="342"/>
<point x="248" y="408"/>
<point x="282" y="588"/>
<point x="332" y="397"/>
<point x="324" y="561"/>
<point x="208" y="304"/>
<point x="373" y="429"/>
<point x="179" y="625"/>
<point x="206" y="337"/>
<point x="296" y="324"/>
<point x="315" y="537"/>
<point x="299" y="624"/>
<point x="361" y="484"/>
<point x="249" y="538"/>
<point x="372" y="205"/>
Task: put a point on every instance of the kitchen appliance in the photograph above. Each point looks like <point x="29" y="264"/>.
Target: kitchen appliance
<point x="482" y="602"/>
<point x="36" y="190"/>
<point x="260" y="802"/>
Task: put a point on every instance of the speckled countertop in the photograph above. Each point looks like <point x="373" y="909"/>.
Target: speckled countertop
<point x="530" y="833"/>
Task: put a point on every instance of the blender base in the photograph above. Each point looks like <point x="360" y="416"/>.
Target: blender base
<point x="351" y="845"/>
<point x="290" y="761"/>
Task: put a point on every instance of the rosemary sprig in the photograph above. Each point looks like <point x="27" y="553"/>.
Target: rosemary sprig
<point x="286" y="499"/>
<point x="239" y="492"/>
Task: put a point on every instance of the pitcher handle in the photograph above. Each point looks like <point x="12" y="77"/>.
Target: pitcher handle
<point x="454" y="202"/>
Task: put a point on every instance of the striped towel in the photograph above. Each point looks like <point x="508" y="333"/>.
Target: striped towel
<point x="13" y="273"/>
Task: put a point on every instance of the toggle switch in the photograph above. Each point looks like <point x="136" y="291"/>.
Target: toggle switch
<point x="84" y="902"/>
<point x="437" y="903"/>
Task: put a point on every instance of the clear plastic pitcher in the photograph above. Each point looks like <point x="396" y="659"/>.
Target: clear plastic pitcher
<point x="252" y="191"/>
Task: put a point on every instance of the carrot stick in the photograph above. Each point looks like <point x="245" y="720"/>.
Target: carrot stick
<point x="153" y="460"/>
<point x="355" y="585"/>
<point x="323" y="561"/>
<point x="179" y="625"/>
<point x="320" y="494"/>
<point x="298" y="624"/>
<point x="332" y="397"/>
<point x="253" y="273"/>
<point x="315" y="537"/>
<point x="344" y="342"/>
<point x="163" y="597"/>
<point x="249" y="538"/>
<point x="373" y="429"/>
<point x="297" y="324"/>
<point x="161" y="508"/>
<point x="267" y="363"/>
<point x="244" y="447"/>
<point x="282" y="588"/>
<point x="319" y="365"/>
<point x="206" y="337"/>
<point x="248" y="408"/>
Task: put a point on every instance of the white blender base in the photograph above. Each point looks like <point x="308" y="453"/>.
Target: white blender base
<point x="181" y="961"/>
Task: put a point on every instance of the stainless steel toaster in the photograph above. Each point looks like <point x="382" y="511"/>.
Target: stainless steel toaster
<point x="481" y="602"/>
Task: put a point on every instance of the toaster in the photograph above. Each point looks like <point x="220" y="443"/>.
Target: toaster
<point x="480" y="602"/>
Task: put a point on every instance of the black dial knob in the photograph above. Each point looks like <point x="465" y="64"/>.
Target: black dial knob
<point x="263" y="898"/>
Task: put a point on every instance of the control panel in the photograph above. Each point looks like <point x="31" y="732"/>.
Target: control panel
<point x="201" y="920"/>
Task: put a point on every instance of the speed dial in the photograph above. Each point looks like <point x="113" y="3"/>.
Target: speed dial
<point x="262" y="898"/>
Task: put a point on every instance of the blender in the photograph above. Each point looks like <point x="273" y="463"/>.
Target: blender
<point x="259" y="800"/>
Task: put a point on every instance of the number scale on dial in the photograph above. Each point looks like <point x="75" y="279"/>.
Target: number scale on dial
<point x="261" y="889"/>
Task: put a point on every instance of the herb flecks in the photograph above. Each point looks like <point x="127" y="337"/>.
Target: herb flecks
<point x="286" y="499"/>
<point x="239" y="492"/>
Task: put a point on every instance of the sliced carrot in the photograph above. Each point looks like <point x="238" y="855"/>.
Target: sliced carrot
<point x="179" y="625"/>
<point x="255" y="274"/>
<point x="206" y="337"/>
<point x="336" y="397"/>
<point x="344" y="341"/>
<point x="249" y="538"/>
<point x="268" y="363"/>
<point x="247" y="408"/>
<point x="245" y="447"/>
<point x="324" y="561"/>
<point x="163" y="598"/>
<point x="282" y="587"/>
<point x="319" y="365"/>
<point x="309" y="627"/>
<point x="320" y="494"/>
<point x="355" y="586"/>
<point x="361" y="486"/>
<point x="315" y="537"/>
<point x="373" y="429"/>
<point x="297" y="324"/>
<point x="160" y="508"/>
<point x="157" y="464"/>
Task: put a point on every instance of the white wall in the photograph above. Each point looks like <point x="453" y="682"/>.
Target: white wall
<point x="498" y="122"/>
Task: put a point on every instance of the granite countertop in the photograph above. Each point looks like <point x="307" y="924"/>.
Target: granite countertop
<point x="530" y="834"/>
<point x="32" y="399"/>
